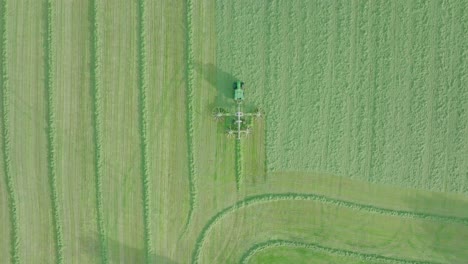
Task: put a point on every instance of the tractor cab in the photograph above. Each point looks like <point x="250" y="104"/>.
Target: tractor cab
<point x="238" y="91"/>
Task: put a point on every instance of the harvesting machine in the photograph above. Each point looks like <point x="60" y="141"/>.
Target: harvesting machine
<point x="241" y="124"/>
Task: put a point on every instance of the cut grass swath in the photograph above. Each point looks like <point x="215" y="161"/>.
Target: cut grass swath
<point x="322" y="249"/>
<point x="265" y="198"/>
<point x="239" y="164"/>
<point x="189" y="121"/>
<point x="96" y="120"/>
<point x="143" y="118"/>
<point x="4" y="91"/>
<point x="50" y="92"/>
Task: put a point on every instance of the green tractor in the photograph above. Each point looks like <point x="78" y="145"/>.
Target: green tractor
<point x="239" y="91"/>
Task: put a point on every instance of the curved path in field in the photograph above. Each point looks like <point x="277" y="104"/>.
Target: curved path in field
<point x="257" y="248"/>
<point x="265" y="198"/>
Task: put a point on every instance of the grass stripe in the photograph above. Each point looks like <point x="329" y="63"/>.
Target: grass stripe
<point x="189" y="120"/>
<point x="322" y="249"/>
<point x="264" y="198"/>
<point x="239" y="164"/>
<point x="143" y="122"/>
<point x="95" y="73"/>
<point x="10" y="187"/>
<point x="51" y="135"/>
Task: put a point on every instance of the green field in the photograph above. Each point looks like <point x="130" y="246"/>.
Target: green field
<point x="109" y="152"/>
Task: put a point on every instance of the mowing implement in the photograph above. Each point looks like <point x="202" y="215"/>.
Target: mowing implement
<point x="241" y="122"/>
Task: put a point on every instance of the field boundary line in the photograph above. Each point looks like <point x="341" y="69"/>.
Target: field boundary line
<point x="51" y="131"/>
<point x="272" y="197"/>
<point x="6" y="149"/>
<point x="322" y="249"/>
<point x="189" y="119"/>
<point x="143" y="123"/>
<point x="95" y="84"/>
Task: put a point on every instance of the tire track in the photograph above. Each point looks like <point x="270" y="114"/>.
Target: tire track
<point x="51" y="135"/>
<point x="143" y="125"/>
<point x="9" y="183"/>
<point x="351" y="83"/>
<point x="189" y="121"/>
<point x="428" y="149"/>
<point x="370" y="96"/>
<point x="95" y="84"/>
<point x="454" y="85"/>
<point x="322" y="249"/>
<point x="325" y="120"/>
<point x="271" y="197"/>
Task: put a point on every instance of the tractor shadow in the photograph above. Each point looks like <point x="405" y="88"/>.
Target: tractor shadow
<point x="91" y="246"/>
<point x="221" y="80"/>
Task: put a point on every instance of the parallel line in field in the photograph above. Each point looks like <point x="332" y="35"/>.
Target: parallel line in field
<point x="370" y="96"/>
<point x="192" y="173"/>
<point x="328" y="90"/>
<point x="331" y="69"/>
<point x="393" y="67"/>
<point x="408" y="95"/>
<point x="451" y="114"/>
<point x="51" y="132"/>
<point x="428" y="149"/>
<point x="143" y="125"/>
<point x="273" y="197"/>
<point x="95" y="85"/>
<point x="256" y="248"/>
<point x="351" y="83"/>
<point x="6" y="148"/>
<point x="267" y="77"/>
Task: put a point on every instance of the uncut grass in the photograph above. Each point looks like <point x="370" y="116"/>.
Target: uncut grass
<point x="364" y="107"/>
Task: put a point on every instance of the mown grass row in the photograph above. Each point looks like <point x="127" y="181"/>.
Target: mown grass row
<point x="189" y="119"/>
<point x="95" y="73"/>
<point x="4" y="92"/>
<point x="322" y="249"/>
<point x="239" y="165"/>
<point x="51" y="131"/>
<point x="272" y="197"/>
<point x="143" y="122"/>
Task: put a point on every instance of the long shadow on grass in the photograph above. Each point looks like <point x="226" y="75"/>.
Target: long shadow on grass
<point x="222" y="81"/>
<point x="91" y="246"/>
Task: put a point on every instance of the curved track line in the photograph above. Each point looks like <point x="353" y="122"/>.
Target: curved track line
<point x="189" y="121"/>
<point x="4" y="91"/>
<point x="143" y="124"/>
<point x="51" y="160"/>
<point x="322" y="249"/>
<point x="95" y="84"/>
<point x="264" y="198"/>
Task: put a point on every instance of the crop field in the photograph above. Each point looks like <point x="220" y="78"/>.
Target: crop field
<point x="110" y="154"/>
